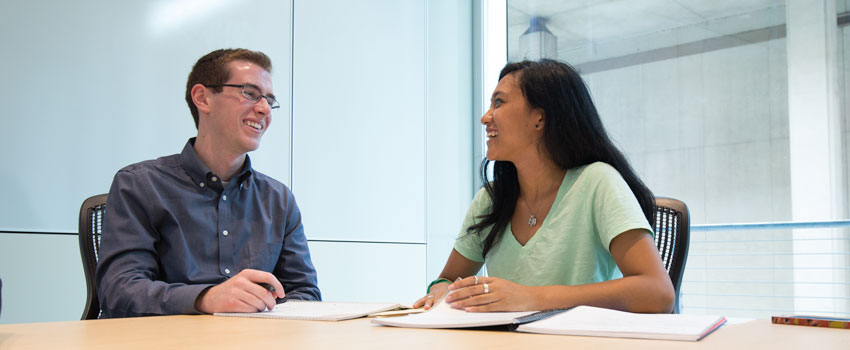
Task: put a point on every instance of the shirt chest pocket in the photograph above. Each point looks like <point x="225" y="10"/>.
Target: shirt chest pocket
<point x="264" y="256"/>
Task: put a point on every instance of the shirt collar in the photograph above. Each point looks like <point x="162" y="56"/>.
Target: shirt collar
<point x="200" y="173"/>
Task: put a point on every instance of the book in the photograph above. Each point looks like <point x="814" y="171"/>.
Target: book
<point x="599" y="322"/>
<point x="817" y="321"/>
<point x="444" y="316"/>
<point x="402" y="311"/>
<point x="316" y="310"/>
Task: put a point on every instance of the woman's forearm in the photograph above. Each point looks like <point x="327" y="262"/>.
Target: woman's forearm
<point x="638" y="293"/>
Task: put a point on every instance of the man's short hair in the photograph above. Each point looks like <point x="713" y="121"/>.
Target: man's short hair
<point x="212" y="70"/>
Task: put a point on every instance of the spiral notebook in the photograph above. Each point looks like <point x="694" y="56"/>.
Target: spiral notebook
<point x="316" y="310"/>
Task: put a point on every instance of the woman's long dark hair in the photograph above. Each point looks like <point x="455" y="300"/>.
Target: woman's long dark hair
<point x="573" y="136"/>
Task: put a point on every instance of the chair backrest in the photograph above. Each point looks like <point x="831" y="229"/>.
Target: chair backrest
<point x="91" y="219"/>
<point x="672" y="234"/>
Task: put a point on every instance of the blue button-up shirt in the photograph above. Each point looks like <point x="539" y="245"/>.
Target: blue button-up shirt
<point x="172" y="229"/>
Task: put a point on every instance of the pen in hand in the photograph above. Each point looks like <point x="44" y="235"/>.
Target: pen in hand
<point x="267" y="286"/>
<point x="271" y="289"/>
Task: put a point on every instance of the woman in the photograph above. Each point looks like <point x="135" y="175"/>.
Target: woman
<point x="564" y="216"/>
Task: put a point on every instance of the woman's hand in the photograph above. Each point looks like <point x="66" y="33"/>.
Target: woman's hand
<point x="457" y="265"/>
<point x="437" y="292"/>
<point x="482" y="294"/>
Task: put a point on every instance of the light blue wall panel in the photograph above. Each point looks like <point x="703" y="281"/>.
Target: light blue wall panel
<point x="42" y="278"/>
<point x="450" y="124"/>
<point x="91" y="86"/>
<point x="366" y="272"/>
<point x="358" y="155"/>
<point x="380" y="135"/>
<point x="43" y="275"/>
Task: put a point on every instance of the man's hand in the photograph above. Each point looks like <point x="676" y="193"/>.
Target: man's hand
<point x="241" y="293"/>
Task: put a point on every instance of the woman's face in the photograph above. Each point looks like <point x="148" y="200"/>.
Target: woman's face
<point x="513" y="127"/>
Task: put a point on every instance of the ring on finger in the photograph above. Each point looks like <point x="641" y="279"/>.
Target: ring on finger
<point x="429" y="296"/>
<point x="486" y="288"/>
<point x="476" y="280"/>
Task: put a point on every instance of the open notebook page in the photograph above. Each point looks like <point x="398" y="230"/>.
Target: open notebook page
<point x="594" y="321"/>
<point x="444" y="316"/>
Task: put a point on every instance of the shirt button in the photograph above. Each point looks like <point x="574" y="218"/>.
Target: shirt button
<point x="227" y="271"/>
<point x="202" y="184"/>
<point x="224" y="232"/>
<point x="214" y="179"/>
<point x="224" y="197"/>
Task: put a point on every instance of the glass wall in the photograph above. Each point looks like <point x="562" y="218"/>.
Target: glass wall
<point x="738" y="109"/>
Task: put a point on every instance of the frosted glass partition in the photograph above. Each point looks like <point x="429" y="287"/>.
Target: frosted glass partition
<point x="91" y="86"/>
<point x="358" y="153"/>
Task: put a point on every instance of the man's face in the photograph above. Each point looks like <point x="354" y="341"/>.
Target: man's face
<point x="236" y="124"/>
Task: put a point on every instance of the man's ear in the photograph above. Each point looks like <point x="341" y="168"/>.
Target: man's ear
<point x="200" y="96"/>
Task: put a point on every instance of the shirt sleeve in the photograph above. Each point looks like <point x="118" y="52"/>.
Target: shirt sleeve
<point x="615" y="208"/>
<point x="128" y="276"/>
<point x="470" y="244"/>
<point x="295" y="267"/>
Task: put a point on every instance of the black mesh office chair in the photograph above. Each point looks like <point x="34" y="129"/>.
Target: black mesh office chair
<point x="672" y="231"/>
<point x="91" y="219"/>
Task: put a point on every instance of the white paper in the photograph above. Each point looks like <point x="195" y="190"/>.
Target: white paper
<point x="316" y="310"/>
<point x="594" y="321"/>
<point x="443" y="315"/>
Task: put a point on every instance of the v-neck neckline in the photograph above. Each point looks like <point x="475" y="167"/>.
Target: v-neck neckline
<point x="514" y="242"/>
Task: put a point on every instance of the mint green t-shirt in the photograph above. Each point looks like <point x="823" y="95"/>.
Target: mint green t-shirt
<point x="593" y="205"/>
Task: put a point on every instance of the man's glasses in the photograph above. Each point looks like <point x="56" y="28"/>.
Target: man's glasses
<point x="252" y="93"/>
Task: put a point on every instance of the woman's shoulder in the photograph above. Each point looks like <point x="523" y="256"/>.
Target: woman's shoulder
<point x="481" y="194"/>
<point x="597" y="171"/>
<point x="482" y="198"/>
<point x="600" y="168"/>
<point x="481" y="203"/>
<point x="600" y="176"/>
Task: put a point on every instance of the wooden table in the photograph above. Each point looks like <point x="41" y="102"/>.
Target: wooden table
<point x="211" y="332"/>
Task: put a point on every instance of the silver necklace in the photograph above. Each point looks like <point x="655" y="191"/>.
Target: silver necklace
<point x="532" y="220"/>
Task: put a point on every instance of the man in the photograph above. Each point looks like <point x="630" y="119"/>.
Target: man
<point x="201" y="231"/>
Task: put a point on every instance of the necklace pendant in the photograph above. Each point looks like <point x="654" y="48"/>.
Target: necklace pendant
<point x="532" y="220"/>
